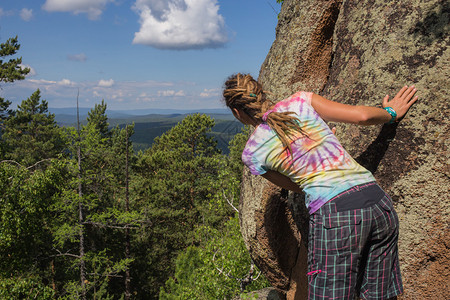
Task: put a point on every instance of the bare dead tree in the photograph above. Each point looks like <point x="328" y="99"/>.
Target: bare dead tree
<point x="80" y="209"/>
<point x="127" y="230"/>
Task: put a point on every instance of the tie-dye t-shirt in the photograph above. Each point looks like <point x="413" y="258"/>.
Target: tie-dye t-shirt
<point x="319" y="164"/>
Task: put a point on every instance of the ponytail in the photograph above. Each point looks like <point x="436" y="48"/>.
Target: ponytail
<point x="244" y="93"/>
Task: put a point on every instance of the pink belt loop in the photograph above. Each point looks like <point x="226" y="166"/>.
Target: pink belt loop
<point x="314" y="272"/>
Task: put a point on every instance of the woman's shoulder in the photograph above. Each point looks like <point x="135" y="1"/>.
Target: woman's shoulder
<point x="294" y="101"/>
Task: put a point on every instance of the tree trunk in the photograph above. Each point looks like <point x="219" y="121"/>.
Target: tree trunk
<point x="80" y="213"/>
<point x="127" y="230"/>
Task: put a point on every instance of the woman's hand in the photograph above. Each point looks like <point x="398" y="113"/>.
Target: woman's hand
<point x="402" y="101"/>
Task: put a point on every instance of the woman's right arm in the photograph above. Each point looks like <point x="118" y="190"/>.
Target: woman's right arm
<point x="365" y="115"/>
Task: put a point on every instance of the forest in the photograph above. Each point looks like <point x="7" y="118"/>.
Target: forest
<point x="83" y="215"/>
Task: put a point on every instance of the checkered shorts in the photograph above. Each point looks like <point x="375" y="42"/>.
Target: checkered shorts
<point x="353" y="252"/>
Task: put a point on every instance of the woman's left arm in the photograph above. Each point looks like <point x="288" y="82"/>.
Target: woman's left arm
<point x="365" y="115"/>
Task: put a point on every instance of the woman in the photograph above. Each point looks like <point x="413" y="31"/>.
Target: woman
<point x="353" y="230"/>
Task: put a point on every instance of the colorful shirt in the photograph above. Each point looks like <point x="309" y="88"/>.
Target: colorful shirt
<point x="318" y="164"/>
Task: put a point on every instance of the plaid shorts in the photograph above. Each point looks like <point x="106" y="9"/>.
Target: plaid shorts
<point x="352" y="251"/>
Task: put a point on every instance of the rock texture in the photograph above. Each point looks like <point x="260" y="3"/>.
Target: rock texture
<point x="356" y="52"/>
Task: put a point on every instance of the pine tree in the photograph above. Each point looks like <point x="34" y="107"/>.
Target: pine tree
<point x="31" y="133"/>
<point x="9" y="72"/>
<point x="98" y="118"/>
<point x="218" y="266"/>
<point x="27" y="200"/>
<point x="95" y="220"/>
<point x="173" y="182"/>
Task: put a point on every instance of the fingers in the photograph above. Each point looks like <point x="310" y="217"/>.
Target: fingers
<point x="403" y="100"/>
<point x="410" y="92"/>
<point x="404" y="96"/>
<point x="401" y="92"/>
<point x="413" y="100"/>
<point x="333" y="130"/>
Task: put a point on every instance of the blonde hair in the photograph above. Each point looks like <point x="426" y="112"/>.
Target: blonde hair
<point x="244" y="93"/>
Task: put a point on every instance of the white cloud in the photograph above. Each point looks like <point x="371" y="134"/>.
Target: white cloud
<point x="6" y="13"/>
<point x="209" y="93"/>
<point x="118" y="94"/>
<point x="26" y="14"/>
<point x="171" y="93"/>
<point x="77" y="57"/>
<point x="106" y="83"/>
<point x="66" y="82"/>
<point x="93" y="8"/>
<point x="180" y="24"/>
<point x="41" y="81"/>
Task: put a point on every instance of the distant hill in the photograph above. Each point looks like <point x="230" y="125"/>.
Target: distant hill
<point x="72" y="111"/>
<point x="148" y="126"/>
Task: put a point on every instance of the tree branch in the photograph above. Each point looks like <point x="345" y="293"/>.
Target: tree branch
<point x="65" y="254"/>
<point x="243" y="282"/>
<point x="32" y="166"/>
<point x="107" y="275"/>
<point x="127" y="226"/>
<point x="229" y="202"/>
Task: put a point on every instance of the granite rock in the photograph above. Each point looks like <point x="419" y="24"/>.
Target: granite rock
<point x="356" y="52"/>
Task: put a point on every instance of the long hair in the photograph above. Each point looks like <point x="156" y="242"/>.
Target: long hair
<point x="244" y="93"/>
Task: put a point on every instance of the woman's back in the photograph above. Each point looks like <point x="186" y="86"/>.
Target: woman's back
<point x="318" y="164"/>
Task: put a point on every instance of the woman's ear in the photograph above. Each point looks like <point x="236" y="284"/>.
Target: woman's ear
<point x="236" y="113"/>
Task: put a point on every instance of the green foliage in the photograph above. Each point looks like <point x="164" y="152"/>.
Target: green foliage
<point x="101" y="204"/>
<point x="177" y="204"/>
<point x="11" y="70"/>
<point x="26" y="202"/>
<point x="98" y="118"/>
<point x="5" y="112"/>
<point x="175" y="180"/>
<point x="218" y="267"/>
<point x="18" y="288"/>
<point x="214" y="270"/>
<point x="31" y="133"/>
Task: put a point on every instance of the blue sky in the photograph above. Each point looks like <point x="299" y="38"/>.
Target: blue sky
<point x="138" y="53"/>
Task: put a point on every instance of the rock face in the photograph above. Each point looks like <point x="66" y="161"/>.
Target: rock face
<point x="356" y="52"/>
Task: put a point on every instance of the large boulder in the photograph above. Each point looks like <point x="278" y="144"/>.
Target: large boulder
<point x="356" y="52"/>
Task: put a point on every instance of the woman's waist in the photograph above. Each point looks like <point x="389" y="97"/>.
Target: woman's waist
<point x="320" y="190"/>
<point x="357" y="197"/>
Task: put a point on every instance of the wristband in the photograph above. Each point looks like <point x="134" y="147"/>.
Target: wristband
<point x="393" y="114"/>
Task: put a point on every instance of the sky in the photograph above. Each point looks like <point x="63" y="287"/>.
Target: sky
<point x="135" y="54"/>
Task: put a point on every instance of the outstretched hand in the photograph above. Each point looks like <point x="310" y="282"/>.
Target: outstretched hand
<point x="402" y="101"/>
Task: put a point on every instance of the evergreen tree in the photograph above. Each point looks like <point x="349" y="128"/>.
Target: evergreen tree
<point x="27" y="198"/>
<point x="10" y="71"/>
<point x="219" y="268"/>
<point x="219" y="265"/>
<point x="5" y="112"/>
<point x="173" y="183"/>
<point x="102" y="205"/>
<point x="97" y="117"/>
<point x="31" y="133"/>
